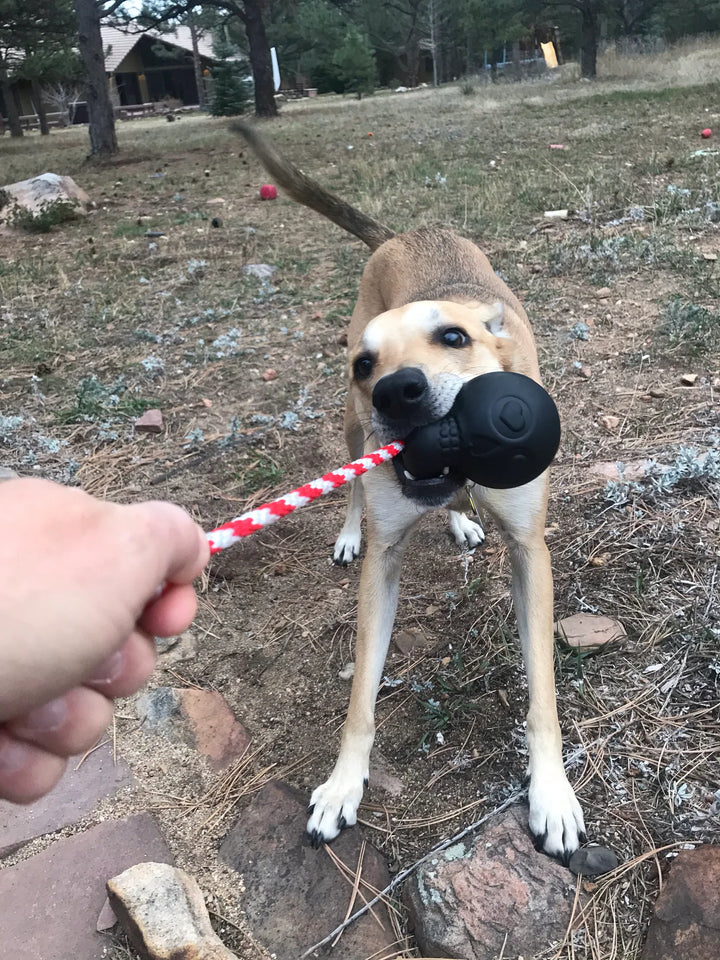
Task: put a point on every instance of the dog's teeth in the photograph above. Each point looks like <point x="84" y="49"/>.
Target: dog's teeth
<point x="446" y="471"/>
<point x="408" y="475"/>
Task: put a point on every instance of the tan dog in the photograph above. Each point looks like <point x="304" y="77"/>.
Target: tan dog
<point x="430" y="315"/>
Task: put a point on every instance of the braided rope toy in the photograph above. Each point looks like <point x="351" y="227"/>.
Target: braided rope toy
<point x="229" y="533"/>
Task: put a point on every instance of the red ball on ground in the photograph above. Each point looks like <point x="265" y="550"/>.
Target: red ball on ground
<point x="268" y="192"/>
<point x="706" y="133"/>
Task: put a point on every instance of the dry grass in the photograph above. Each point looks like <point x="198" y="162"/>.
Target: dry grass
<point x="277" y="621"/>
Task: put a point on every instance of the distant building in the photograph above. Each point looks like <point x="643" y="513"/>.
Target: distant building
<point x="142" y="67"/>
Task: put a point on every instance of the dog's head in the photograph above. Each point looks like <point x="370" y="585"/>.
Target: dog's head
<point x="409" y="366"/>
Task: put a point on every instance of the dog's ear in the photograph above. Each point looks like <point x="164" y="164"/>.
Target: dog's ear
<point x="495" y="320"/>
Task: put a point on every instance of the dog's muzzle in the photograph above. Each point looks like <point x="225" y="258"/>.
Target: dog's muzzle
<point x="402" y="401"/>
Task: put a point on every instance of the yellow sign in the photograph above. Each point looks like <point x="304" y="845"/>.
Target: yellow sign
<point x="548" y="51"/>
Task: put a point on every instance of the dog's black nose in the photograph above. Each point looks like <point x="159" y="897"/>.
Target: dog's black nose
<point x="401" y="395"/>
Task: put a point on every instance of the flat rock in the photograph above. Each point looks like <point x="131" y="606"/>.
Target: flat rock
<point x="163" y="912"/>
<point x="587" y="631"/>
<point x="593" y="861"/>
<point x="294" y="895"/>
<point x="470" y="898"/>
<point x="621" y="470"/>
<point x="73" y="798"/>
<point x="686" y="921"/>
<point x="51" y="902"/>
<point x="150" y="422"/>
<point x="200" y="718"/>
<point x="411" y="640"/>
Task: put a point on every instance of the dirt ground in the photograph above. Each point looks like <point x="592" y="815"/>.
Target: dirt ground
<point x="100" y="321"/>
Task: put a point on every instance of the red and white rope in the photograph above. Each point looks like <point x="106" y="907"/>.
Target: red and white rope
<point x="224" y="536"/>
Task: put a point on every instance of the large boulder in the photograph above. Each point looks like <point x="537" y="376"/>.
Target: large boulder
<point x="32" y="198"/>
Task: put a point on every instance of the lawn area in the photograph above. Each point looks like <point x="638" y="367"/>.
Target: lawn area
<point x="146" y="303"/>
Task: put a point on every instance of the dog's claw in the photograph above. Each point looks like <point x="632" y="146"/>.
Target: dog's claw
<point x="315" y="840"/>
<point x="582" y="837"/>
<point x="341" y="822"/>
<point x="366" y="782"/>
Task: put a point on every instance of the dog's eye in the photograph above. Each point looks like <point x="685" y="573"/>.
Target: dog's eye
<point x="363" y="367"/>
<point x="454" y="337"/>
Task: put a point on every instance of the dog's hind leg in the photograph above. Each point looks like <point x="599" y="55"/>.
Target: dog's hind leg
<point x="347" y="545"/>
<point x="556" y="820"/>
<point x="467" y="533"/>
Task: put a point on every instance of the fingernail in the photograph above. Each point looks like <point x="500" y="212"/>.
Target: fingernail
<point x="108" y="671"/>
<point x="45" y="719"/>
<point x="13" y="754"/>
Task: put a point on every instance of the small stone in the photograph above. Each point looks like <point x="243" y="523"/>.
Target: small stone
<point x="262" y="271"/>
<point x="657" y="393"/>
<point x="382" y="777"/>
<point x="616" y="470"/>
<point x="609" y="423"/>
<point x="179" y="649"/>
<point x="269" y="375"/>
<point x="216" y="222"/>
<point x="711" y="257"/>
<point x="686" y="921"/>
<point x="584" y="372"/>
<point x="215" y="200"/>
<point x="716" y="383"/>
<point x="348" y="671"/>
<point x="7" y="474"/>
<point x="411" y="640"/>
<point x="589" y="632"/>
<point x="163" y="912"/>
<point x="342" y="339"/>
<point x="593" y="861"/>
<point x="556" y="214"/>
<point x="150" y="422"/>
<point x="689" y="379"/>
<point x="107" y="918"/>
<point x="603" y="293"/>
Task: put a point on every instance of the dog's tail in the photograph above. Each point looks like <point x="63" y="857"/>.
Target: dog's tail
<point x="311" y="194"/>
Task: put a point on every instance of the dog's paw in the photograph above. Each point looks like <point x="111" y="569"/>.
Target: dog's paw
<point x="467" y="533"/>
<point x="347" y="547"/>
<point x="556" y="819"/>
<point x="333" y="806"/>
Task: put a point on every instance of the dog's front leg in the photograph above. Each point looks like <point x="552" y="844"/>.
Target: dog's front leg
<point x="556" y="820"/>
<point x="334" y="804"/>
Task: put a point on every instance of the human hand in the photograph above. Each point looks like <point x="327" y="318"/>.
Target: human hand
<point x="79" y="607"/>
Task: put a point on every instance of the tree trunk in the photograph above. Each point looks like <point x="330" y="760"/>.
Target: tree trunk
<point x="39" y="106"/>
<point x="103" y="142"/>
<point x="260" y="59"/>
<point x="589" y="44"/>
<point x="13" y="115"/>
<point x="197" y="66"/>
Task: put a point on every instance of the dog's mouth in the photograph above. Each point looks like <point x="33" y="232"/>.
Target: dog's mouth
<point x="430" y="491"/>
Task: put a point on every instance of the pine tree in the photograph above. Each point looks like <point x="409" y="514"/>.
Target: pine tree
<point x="230" y="92"/>
<point x="355" y="63"/>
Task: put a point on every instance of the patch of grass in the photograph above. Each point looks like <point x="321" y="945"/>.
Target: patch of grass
<point x="128" y="229"/>
<point x="260" y="475"/>
<point x="693" y="328"/>
<point x="95" y="402"/>
<point x="50" y="214"/>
